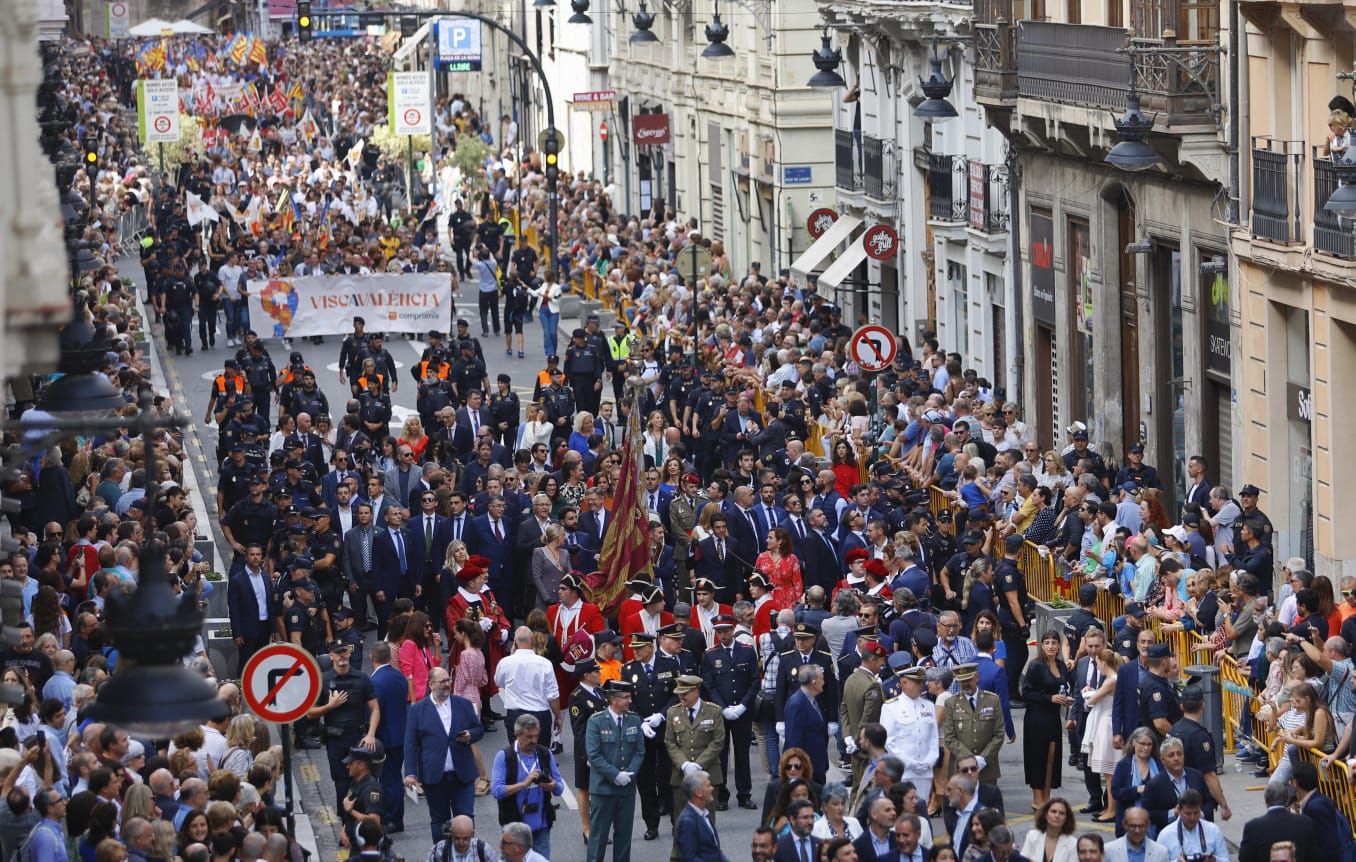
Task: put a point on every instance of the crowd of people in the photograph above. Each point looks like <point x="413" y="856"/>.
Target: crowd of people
<point x="862" y="657"/>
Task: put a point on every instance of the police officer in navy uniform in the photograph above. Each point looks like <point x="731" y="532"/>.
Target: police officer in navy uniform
<point x="348" y="708"/>
<point x="326" y="547"/>
<point x="346" y="632"/>
<point x="1012" y="605"/>
<point x="1083" y="618"/>
<point x="1159" y="708"/>
<point x="364" y="800"/>
<point x="1125" y="640"/>
<point x="306" y="621"/>
<point x="560" y="405"/>
<point x="1140" y="473"/>
<point x="262" y="377"/>
<point x="672" y="652"/>
<point x="586" y="699"/>
<point x="584" y="368"/>
<point x="652" y="694"/>
<point x="249" y="522"/>
<point x="730" y="681"/>
<point x="233" y="478"/>
<point x="1198" y="746"/>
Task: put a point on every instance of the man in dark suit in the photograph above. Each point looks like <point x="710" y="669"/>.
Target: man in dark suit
<point x="737" y="430"/>
<point x="1278" y="824"/>
<point x="694" y="833"/>
<point x="1125" y="707"/>
<point x="469" y="420"/>
<point x="594" y="521"/>
<point x="252" y="605"/>
<point x="878" y="831"/>
<point x="799" y="846"/>
<point x="331" y="480"/>
<point x="491" y="537"/>
<point x="805" y="637"/>
<point x="440" y="724"/>
<point x="821" y="564"/>
<point x="392" y="552"/>
<point x="744" y="527"/>
<point x="1160" y="794"/>
<point x="804" y="724"/>
<point x="359" y="546"/>
<point x="392" y="698"/>
<point x="768" y="513"/>
<point x="656" y="499"/>
<point x="453" y="527"/>
<point x="1086" y="675"/>
<point x="715" y="562"/>
<point x="986" y="795"/>
<point x="424" y="564"/>
<point x="1320" y="810"/>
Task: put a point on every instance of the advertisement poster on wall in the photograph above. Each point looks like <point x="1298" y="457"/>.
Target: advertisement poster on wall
<point x="1042" y="256"/>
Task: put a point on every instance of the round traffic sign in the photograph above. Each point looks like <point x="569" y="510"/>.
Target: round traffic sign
<point x="820" y="220"/>
<point x="412" y="116"/>
<point x="281" y="682"/>
<point x="119" y="10"/>
<point x="162" y="124"/>
<point x="602" y="130"/>
<point x="881" y="242"/>
<point x="873" y="347"/>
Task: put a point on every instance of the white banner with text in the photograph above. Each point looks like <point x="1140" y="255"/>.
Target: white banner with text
<point x="327" y="304"/>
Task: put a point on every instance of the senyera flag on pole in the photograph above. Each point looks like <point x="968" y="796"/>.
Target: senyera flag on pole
<point x="626" y="549"/>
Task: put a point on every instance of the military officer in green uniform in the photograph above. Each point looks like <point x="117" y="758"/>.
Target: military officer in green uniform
<point x="683" y="512"/>
<point x="861" y="702"/>
<point x="585" y="700"/>
<point x="972" y="723"/>
<point x="694" y="735"/>
<point x="615" y="748"/>
<point x="363" y="803"/>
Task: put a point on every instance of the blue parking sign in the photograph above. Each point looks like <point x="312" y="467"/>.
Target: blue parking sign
<point x="459" y="44"/>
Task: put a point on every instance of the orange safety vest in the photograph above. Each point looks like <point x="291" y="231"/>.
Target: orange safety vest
<point x="381" y="379"/>
<point x="288" y="377"/>
<point x="544" y="378"/>
<point x="442" y="370"/>
<point x="220" y="385"/>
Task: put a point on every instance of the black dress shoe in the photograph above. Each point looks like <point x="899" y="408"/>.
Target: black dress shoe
<point x="723" y="806"/>
<point x="1090" y="809"/>
<point x="651" y="833"/>
<point x="747" y="803"/>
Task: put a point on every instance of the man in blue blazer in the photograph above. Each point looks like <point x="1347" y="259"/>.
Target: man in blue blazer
<point x="806" y="726"/>
<point x="656" y="499"/>
<point x="1125" y="700"/>
<point x="694" y="834"/>
<point x="820" y="563"/>
<point x="252" y="606"/>
<point x="428" y="741"/>
<point x="491" y="536"/>
<point x="738" y="428"/>
<point x="392" y="691"/>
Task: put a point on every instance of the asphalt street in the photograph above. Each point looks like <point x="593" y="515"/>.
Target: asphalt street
<point x="189" y="378"/>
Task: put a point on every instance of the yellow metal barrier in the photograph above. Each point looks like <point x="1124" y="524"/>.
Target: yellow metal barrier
<point x="938" y="502"/>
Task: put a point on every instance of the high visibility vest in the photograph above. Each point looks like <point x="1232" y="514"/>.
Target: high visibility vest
<point x="543" y="378"/>
<point x="220" y="385"/>
<point x="442" y="370"/>
<point x="620" y="349"/>
<point x="288" y="376"/>
<point x="381" y="379"/>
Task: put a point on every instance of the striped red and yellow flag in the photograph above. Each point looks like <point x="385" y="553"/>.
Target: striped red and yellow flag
<point x="626" y="549"/>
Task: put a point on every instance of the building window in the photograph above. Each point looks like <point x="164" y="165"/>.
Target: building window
<point x="1300" y="446"/>
<point x="993" y="286"/>
<point x="960" y="317"/>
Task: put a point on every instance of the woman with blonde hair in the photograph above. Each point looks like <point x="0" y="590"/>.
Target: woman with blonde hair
<point x="1052" y="471"/>
<point x="239" y="742"/>
<point x="138" y="801"/>
<point x="1102" y="756"/>
<point x="550" y="563"/>
<point x="412" y="435"/>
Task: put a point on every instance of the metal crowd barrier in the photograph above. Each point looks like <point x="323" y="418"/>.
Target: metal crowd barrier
<point x="131" y="227"/>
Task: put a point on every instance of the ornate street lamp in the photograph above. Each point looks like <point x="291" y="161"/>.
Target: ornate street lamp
<point x="826" y="60"/>
<point x="716" y="34"/>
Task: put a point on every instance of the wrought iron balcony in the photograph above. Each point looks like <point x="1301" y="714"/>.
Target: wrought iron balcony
<point x="1277" y="167"/>
<point x="879" y="168"/>
<point x="846" y="161"/>
<point x="1332" y="235"/>
<point x="995" y="52"/>
<point x="989" y="197"/>
<point x="949" y="188"/>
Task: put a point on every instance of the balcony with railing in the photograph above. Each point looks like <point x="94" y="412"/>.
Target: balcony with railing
<point x="1332" y="234"/>
<point x="989" y="197"/>
<point x="1277" y="169"/>
<point x="847" y="173"/>
<point x="878" y="168"/>
<point x="1089" y="66"/>
<point x="949" y="188"/>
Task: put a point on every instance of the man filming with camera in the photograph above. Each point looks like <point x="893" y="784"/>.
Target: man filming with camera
<point x="1190" y="837"/>
<point x="524" y="779"/>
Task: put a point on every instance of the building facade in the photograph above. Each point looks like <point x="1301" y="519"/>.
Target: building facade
<point x="1296" y="265"/>
<point x="1124" y="285"/>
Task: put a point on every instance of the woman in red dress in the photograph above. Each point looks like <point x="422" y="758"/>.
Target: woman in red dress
<point x="844" y="466"/>
<point x="474" y="601"/>
<point x="781" y="568"/>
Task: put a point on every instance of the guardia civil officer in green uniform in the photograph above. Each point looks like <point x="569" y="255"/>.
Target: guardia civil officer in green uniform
<point x="363" y="803"/>
<point x="694" y="734"/>
<point x="615" y="748"/>
<point x="586" y="700"/>
<point x="348" y="707"/>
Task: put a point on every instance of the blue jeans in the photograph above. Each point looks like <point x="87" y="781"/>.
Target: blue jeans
<point x="237" y="316"/>
<point x="550" y="330"/>
<point x="772" y="744"/>
<point x="541" y="841"/>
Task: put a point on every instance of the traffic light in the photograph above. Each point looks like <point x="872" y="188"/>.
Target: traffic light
<point x="305" y="25"/>
<point x="552" y="148"/>
<point x="91" y="155"/>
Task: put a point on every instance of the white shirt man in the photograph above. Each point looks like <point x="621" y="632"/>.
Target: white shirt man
<point x="527" y="681"/>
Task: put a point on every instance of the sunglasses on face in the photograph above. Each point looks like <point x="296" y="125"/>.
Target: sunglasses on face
<point x="793" y="767"/>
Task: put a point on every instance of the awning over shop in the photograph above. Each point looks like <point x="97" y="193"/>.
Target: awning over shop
<point x="841" y="269"/>
<point x="820" y="249"/>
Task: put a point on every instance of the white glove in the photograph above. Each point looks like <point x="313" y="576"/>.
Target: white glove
<point x="689" y="767"/>
<point x="622" y="779"/>
<point x="850" y="745"/>
<point x="781" y="728"/>
<point x="739" y="709"/>
<point x="647" y="730"/>
<point x="730" y="713"/>
<point x="655" y="720"/>
<point x="503" y="635"/>
<point x="486" y="624"/>
<point x="833" y="728"/>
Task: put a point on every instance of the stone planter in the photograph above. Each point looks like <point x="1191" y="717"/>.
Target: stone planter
<point x="569" y="306"/>
<point x="587" y="307"/>
<point x="1050" y="617"/>
<point x="220" y="643"/>
<point x="217" y="605"/>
